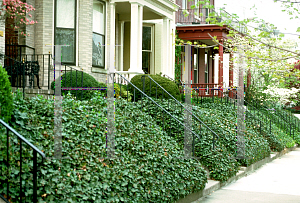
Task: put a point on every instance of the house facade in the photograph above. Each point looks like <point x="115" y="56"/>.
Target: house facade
<point x="141" y="32"/>
<point x="210" y="67"/>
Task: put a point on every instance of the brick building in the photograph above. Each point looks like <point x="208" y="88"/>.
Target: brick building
<point x="210" y="68"/>
<point x="140" y="32"/>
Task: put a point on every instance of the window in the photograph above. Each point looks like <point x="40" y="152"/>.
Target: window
<point x="98" y="33"/>
<point x="65" y="27"/>
<point x="147" y="49"/>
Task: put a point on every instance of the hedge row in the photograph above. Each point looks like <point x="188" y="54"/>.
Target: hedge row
<point x="148" y="167"/>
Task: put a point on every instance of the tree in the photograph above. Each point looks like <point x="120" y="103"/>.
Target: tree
<point x="17" y="11"/>
<point x="266" y="52"/>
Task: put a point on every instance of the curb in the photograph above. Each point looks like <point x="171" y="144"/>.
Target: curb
<point x="213" y="185"/>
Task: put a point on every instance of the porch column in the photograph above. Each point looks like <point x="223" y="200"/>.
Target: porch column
<point x="121" y="47"/>
<point x="140" y="38"/>
<point x="249" y="74"/>
<point x="136" y="28"/>
<point x="112" y="38"/>
<point x="220" y="79"/>
<point x="201" y="66"/>
<point x="172" y="49"/>
<point x="230" y="73"/>
<point x="165" y="45"/>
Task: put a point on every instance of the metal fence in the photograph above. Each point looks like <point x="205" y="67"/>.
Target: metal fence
<point x="17" y="144"/>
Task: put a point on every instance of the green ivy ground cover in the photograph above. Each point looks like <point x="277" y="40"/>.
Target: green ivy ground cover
<point x="149" y="168"/>
<point x="217" y="161"/>
<point x="277" y="139"/>
<point x="222" y="119"/>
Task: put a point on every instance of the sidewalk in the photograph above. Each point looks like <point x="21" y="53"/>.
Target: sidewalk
<point x="275" y="182"/>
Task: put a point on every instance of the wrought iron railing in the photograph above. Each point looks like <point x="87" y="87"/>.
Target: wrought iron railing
<point x="150" y="99"/>
<point x="16" y="144"/>
<point x="33" y="71"/>
<point x="285" y="119"/>
<point x="205" y="16"/>
<point x="168" y="96"/>
<point x="17" y="51"/>
<point x="194" y="16"/>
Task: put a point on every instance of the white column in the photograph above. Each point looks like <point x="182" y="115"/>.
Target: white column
<point x="140" y="37"/>
<point x="171" y="50"/>
<point x="165" y="45"/>
<point x="112" y="39"/>
<point x="136" y="38"/>
<point x="121" y="47"/>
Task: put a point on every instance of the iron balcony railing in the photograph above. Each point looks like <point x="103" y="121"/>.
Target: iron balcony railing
<point x="33" y="71"/>
<point x="16" y="51"/>
<point x="205" y="16"/>
<point x="10" y="146"/>
<point x="193" y="16"/>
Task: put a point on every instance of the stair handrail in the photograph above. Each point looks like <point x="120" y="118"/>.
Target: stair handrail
<point x="35" y="152"/>
<point x="145" y="95"/>
<point x="180" y="104"/>
<point x="247" y="110"/>
<point x="270" y="120"/>
<point x="287" y="122"/>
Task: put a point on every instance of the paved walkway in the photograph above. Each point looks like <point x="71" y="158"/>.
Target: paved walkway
<point x="275" y="182"/>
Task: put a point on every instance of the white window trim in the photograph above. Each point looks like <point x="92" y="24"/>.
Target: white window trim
<point x="152" y="51"/>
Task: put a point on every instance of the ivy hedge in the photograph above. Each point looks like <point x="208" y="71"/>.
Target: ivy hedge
<point x="219" y="161"/>
<point x="148" y="165"/>
<point x="6" y="99"/>
<point x="170" y="86"/>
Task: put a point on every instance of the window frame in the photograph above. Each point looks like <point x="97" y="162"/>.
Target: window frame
<point x="151" y="48"/>
<point x="75" y="30"/>
<point x="103" y="35"/>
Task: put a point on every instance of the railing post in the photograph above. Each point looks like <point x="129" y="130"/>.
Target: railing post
<point x="260" y="126"/>
<point x="20" y="170"/>
<point x="82" y="84"/>
<point x="76" y="85"/>
<point x="143" y="80"/>
<point x="270" y="127"/>
<point x="49" y="71"/>
<point x="34" y="176"/>
<point x="23" y="69"/>
<point x="7" y="155"/>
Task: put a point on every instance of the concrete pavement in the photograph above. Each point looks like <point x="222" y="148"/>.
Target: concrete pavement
<point x="275" y="182"/>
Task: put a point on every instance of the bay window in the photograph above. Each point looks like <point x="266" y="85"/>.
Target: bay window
<point x="98" y="33"/>
<point x="65" y="29"/>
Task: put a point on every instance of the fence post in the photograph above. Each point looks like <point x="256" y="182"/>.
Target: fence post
<point x="270" y="127"/>
<point x="34" y="176"/>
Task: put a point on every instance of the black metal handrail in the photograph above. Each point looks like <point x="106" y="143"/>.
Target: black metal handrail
<point x="176" y="101"/>
<point x="122" y="80"/>
<point x="16" y="50"/>
<point x="248" y="112"/>
<point x="30" y="65"/>
<point x="35" y="164"/>
<point x="286" y="125"/>
<point x="285" y="116"/>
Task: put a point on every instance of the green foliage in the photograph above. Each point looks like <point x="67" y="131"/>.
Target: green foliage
<point x="167" y="84"/>
<point x="148" y="167"/>
<point x="121" y="91"/>
<point x="221" y="118"/>
<point x="87" y="81"/>
<point x="217" y="161"/>
<point x="6" y="99"/>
